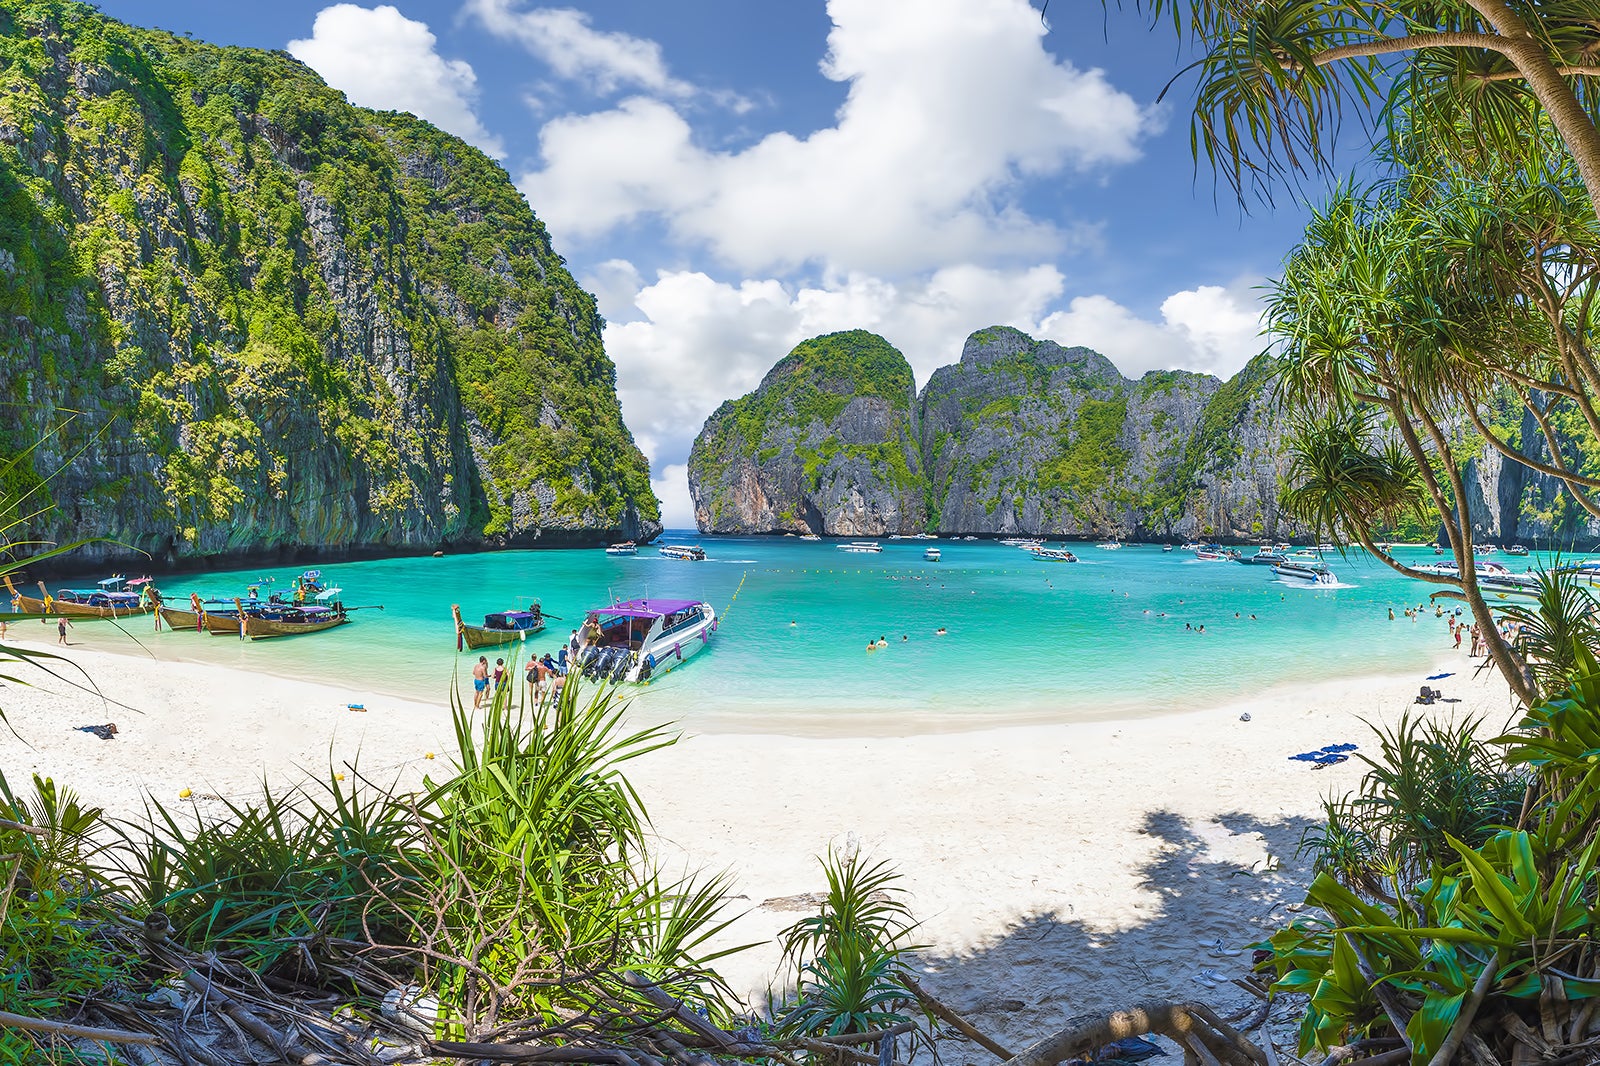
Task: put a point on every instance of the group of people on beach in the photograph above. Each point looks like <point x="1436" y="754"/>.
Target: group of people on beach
<point x="543" y="674"/>
<point x="1459" y="627"/>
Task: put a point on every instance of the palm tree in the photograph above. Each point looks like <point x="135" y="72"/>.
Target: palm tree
<point x="1276" y="76"/>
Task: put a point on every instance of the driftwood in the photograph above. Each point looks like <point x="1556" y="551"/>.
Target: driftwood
<point x="79" y="1032"/>
<point x="944" y="1013"/>
<point x="1205" y="1037"/>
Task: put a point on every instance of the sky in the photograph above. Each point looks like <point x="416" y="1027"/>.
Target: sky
<point x="730" y="177"/>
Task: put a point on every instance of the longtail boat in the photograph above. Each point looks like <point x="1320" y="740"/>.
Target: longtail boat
<point x="178" y="618"/>
<point x="108" y="600"/>
<point x="503" y="627"/>
<point x="273" y="620"/>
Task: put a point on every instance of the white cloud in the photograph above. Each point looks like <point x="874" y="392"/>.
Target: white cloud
<point x="671" y="487"/>
<point x="1209" y="329"/>
<point x="380" y="59"/>
<point x="951" y="105"/>
<point x="564" y="40"/>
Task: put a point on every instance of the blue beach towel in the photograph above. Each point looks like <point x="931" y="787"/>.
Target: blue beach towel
<point x="1435" y="677"/>
<point x="1327" y="755"/>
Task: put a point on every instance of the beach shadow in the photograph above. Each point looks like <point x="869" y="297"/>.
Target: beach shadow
<point x="1207" y="883"/>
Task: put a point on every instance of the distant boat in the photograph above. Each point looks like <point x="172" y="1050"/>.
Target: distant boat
<point x="969" y="537"/>
<point x="1515" y="549"/>
<point x="695" y="554"/>
<point x="627" y="547"/>
<point x="931" y="554"/>
<point x="1109" y="545"/>
<point x="1297" y="573"/>
<point x="809" y="536"/>
<point x="1166" y="547"/>
<point x="1212" y="553"/>
<point x="1054" y="555"/>
<point x="504" y="627"/>
<point x="1265" y="557"/>
<point x="861" y="546"/>
<point x="1484" y="549"/>
<point x="1192" y="546"/>
<point x="636" y="640"/>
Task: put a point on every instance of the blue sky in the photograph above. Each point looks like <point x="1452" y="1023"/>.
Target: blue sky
<point x="731" y="177"/>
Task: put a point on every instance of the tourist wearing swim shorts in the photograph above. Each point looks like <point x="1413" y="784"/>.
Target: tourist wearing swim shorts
<point x="480" y="681"/>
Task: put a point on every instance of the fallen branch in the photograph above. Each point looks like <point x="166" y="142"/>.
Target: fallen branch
<point x="82" y="1032"/>
<point x="1469" y="1011"/>
<point x="941" y="1011"/>
<point x="868" y="1037"/>
<point x="676" y="1009"/>
<point x="1176" y="1021"/>
<point x="23" y="827"/>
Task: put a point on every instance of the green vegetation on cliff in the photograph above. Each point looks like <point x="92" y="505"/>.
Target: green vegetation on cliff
<point x="838" y="402"/>
<point x="286" y="320"/>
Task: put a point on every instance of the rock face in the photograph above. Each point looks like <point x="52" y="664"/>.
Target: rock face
<point x="1026" y="437"/>
<point x="826" y="443"/>
<point x="242" y="317"/>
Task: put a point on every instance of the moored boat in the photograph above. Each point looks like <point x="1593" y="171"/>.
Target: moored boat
<point x="1109" y="545"/>
<point x="503" y="627"/>
<point x="933" y="555"/>
<point x="636" y="640"/>
<point x="1053" y="555"/>
<point x="861" y="546"/>
<point x="287" y="620"/>
<point x="110" y="598"/>
<point x="809" y="536"/>
<point x="626" y="547"/>
<point x="1515" y="549"/>
<point x="1264" y="557"/>
<point x="683" y="551"/>
<point x="1305" y="573"/>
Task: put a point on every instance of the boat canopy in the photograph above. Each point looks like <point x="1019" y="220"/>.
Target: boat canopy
<point x="510" y="620"/>
<point x="644" y="608"/>
<point x="328" y="594"/>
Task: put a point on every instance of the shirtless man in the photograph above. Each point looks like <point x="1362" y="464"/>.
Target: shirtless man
<point x="480" y="681"/>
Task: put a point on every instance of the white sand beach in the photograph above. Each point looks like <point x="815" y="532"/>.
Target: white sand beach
<point x="1057" y="869"/>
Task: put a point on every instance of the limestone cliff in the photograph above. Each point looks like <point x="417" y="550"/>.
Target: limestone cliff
<point x="243" y="317"/>
<point x="827" y="443"/>
<point x="1020" y="436"/>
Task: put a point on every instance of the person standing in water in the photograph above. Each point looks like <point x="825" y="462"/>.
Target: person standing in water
<point x="480" y="680"/>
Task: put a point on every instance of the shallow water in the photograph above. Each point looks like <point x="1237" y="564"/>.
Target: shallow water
<point x="1025" y="640"/>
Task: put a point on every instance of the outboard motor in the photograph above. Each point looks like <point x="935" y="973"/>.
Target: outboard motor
<point x="619" y="671"/>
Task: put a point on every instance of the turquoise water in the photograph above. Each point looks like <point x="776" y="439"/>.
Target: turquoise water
<point x="1025" y="639"/>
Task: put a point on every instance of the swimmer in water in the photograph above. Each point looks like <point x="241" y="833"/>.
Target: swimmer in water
<point x="883" y="642"/>
<point x="940" y="631"/>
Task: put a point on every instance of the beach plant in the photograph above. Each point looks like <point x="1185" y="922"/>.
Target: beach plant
<point x="848" y="959"/>
<point x="1483" y="938"/>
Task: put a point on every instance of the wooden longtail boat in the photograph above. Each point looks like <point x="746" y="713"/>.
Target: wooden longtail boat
<point x="265" y="622"/>
<point x="506" y="627"/>
<point x="223" y="623"/>
<point x="80" y="603"/>
<point x="178" y="618"/>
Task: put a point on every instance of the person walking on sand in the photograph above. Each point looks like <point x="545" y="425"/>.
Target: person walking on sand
<point x="1458" y="637"/>
<point x="480" y="680"/>
<point x="61" y="629"/>
<point x="499" y="676"/>
<point x="1477" y="641"/>
<point x="535" y="679"/>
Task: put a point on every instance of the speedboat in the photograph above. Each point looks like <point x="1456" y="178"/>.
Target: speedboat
<point x="1264" y="557"/>
<point x="1166" y="547"/>
<point x="1307" y="553"/>
<point x="636" y="640"/>
<point x="695" y="554"/>
<point x="1484" y="549"/>
<point x="1025" y="543"/>
<point x="1302" y="574"/>
<point x="1515" y="549"/>
<point x="861" y="546"/>
<point x="502" y="627"/>
<point x="931" y="554"/>
<point x="627" y="547"/>
<point x="1109" y="545"/>
<point x="1212" y="553"/>
<point x="1053" y="555"/>
<point x="809" y="536"/>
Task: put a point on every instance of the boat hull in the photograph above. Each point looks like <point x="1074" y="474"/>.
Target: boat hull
<point x="180" y="619"/>
<point x="225" y="625"/>
<point x="479" y="637"/>
<point x="1301" y="575"/>
<point x="266" y="628"/>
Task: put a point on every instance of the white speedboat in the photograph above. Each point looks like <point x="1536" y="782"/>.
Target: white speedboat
<point x="1025" y="543"/>
<point x="627" y="547"/>
<point x="637" y="640"/>
<point x="1307" y="553"/>
<point x="1265" y="557"/>
<point x="809" y="536"/>
<point x="1053" y="555"/>
<point x="695" y="554"/>
<point x="1515" y="549"/>
<point x="1305" y="574"/>
<point x="1109" y="545"/>
<point x="931" y="554"/>
<point x="861" y="547"/>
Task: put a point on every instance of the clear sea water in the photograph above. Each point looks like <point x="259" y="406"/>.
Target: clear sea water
<point x="1025" y="640"/>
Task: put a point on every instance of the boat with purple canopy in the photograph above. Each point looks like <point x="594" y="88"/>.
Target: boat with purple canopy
<point x="637" y="640"/>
